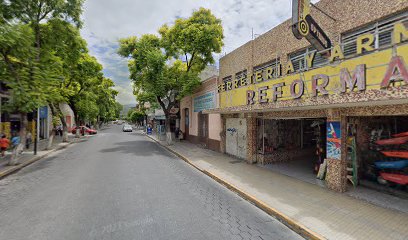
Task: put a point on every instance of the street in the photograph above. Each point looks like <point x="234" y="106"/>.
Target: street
<point x="124" y="186"/>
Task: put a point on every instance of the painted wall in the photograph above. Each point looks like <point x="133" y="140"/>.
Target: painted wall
<point x="215" y="124"/>
<point x="236" y="142"/>
<point x="214" y="120"/>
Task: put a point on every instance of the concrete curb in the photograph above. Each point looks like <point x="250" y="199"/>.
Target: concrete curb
<point x="292" y="224"/>
<point x="16" y="168"/>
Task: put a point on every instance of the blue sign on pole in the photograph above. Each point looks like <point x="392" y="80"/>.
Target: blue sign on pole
<point x="43" y="112"/>
<point x="204" y="102"/>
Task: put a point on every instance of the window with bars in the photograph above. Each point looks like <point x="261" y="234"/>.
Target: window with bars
<point x="382" y="31"/>
<point x="227" y="79"/>
<point x="298" y="59"/>
<point x="274" y="64"/>
<point x="241" y="74"/>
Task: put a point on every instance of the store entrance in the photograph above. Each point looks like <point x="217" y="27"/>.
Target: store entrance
<point x="381" y="153"/>
<point x="294" y="147"/>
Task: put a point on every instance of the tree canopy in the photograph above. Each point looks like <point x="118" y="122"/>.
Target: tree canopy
<point x="165" y="67"/>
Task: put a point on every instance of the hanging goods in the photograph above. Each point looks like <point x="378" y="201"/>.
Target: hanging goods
<point x="393" y="141"/>
<point x="394" y="177"/>
<point x="392" y="165"/>
<point x="403" y="134"/>
<point x="396" y="154"/>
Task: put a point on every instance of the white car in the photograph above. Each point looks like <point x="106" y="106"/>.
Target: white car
<point x="127" y="128"/>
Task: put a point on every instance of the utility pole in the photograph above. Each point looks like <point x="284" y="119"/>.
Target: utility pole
<point x="36" y="116"/>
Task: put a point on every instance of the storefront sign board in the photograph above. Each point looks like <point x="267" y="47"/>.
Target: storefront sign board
<point x="372" y="71"/>
<point x="204" y="102"/>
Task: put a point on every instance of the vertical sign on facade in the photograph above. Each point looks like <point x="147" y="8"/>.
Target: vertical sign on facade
<point x="300" y="9"/>
<point x="333" y="140"/>
<point x="304" y="26"/>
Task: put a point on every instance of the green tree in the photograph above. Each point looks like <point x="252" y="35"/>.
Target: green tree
<point x="137" y="117"/>
<point x="118" y="108"/>
<point x="33" y="14"/>
<point x="194" y="40"/>
<point x="27" y="80"/>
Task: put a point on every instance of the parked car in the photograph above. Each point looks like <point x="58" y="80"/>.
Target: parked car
<point x="86" y="129"/>
<point x="127" y="128"/>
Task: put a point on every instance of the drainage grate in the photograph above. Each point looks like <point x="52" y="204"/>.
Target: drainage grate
<point x="236" y="161"/>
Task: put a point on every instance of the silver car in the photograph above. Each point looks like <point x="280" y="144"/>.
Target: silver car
<point x="127" y="128"/>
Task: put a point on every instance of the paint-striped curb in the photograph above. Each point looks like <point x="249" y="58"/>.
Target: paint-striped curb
<point x="292" y="224"/>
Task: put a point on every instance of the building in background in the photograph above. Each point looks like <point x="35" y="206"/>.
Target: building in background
<point x="203" y="129"/>
<point x="283" y="102"/>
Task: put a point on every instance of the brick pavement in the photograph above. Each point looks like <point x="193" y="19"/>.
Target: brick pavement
<point x="327" y="213"/>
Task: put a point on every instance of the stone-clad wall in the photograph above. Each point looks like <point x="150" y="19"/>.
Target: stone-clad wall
<point x="279" y="41"/>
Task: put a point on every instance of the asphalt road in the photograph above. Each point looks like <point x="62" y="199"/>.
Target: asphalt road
<point x="124" y="186"/>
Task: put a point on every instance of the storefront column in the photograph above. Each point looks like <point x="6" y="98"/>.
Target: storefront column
<point x="336" y="177"/>
<point x="251" y="138"/>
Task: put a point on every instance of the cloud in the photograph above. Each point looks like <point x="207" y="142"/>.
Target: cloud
<point x="125" y="95"/>
<point x="106" y="21"/>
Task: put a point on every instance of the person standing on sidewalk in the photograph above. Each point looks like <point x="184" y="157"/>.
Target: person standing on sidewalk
<point x="28" y="139"/>
<point x="4" y="144"/>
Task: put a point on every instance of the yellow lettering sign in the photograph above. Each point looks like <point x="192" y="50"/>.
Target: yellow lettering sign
<point x="364" y="42"/>
<point x="336" y="52"/>
<point x="289" y="67"/>
<point x="399" y="29"/>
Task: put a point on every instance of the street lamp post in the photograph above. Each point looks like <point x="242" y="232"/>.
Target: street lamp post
<point x="36" y="131"/>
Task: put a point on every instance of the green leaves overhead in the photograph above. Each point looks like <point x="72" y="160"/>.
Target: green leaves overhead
<point x="166" y="68"/>
<point x="34" y="12"/>
<point x="45" y="61"/>
<point x="25" y="77"/>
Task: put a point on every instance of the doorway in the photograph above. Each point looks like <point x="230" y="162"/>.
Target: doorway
<point x="294" y="147"/>
<point x="186" y="122"/>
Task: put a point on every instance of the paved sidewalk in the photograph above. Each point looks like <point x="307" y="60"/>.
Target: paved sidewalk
<point x="321" y="212"/>
<point x="28" y="157"/>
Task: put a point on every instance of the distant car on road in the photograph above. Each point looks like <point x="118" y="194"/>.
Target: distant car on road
<point x="127" y="128"/>
<point x="86" y="129"/>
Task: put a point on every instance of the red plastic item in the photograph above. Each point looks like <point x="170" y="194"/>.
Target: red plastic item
<point x="394" y="177"/>
<point x="396" y="154"/>
<point x="403" y="134"/>
<point x="392" y="141"/>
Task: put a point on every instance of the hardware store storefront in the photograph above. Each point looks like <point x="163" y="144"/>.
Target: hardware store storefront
<point x="329" y="107"/>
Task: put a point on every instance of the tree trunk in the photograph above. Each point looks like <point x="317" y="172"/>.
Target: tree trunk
<point x="169" y="134"/>
<point x="64" y="125"/>
<point x="54" y="126"/>
<point x="51" y="140"/>
<point x="77" y="132"/>
<point x="17" y="150"/>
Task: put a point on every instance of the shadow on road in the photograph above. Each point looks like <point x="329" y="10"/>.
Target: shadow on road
<point x="138" y="147"/>
<point x="39" y="165"/>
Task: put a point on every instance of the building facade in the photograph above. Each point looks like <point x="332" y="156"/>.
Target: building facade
<point x="197" y="127"/>
<point x="281" y="100"/>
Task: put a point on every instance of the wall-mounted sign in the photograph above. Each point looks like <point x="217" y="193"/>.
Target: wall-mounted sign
<point x="304" y="26"/>
<point x="363" y="45"/>
<point x="43" y="112"/>
<point x="300" y="9"/>
<point x="204" y="102"/>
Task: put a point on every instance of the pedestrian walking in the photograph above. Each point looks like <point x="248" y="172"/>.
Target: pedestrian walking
<point x="4" y="144"/>
<point x="28" y="139"/>
<point x="15" y="140"/>
<point x="58" y="130"/>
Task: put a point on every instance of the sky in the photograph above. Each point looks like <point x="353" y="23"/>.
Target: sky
<point x="106" y="21"/>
